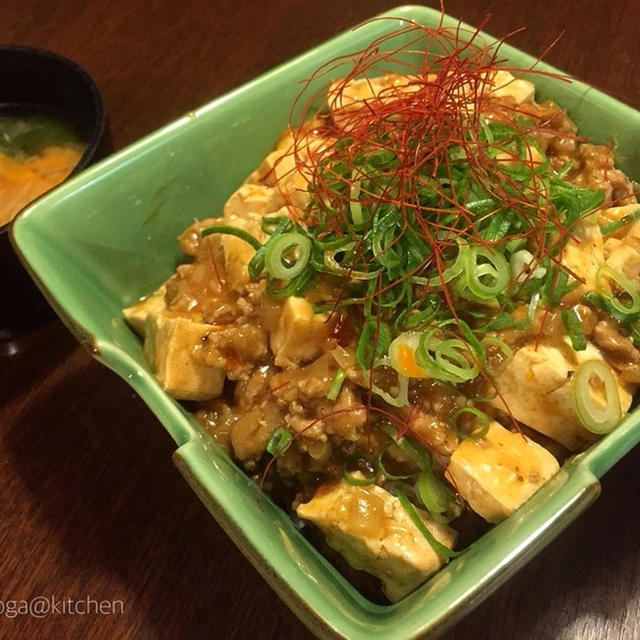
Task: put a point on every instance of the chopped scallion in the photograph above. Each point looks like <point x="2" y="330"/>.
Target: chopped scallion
<point x="336" y="384"/>
<point x="476" y="433"/>
<point x="594" y="392"/>
<point x="278" y="442"/>
<point x="276" y="261"/>
<point x="231" y="231"/>
<point x="422" y="527"/>
<point x="573" y="327"/>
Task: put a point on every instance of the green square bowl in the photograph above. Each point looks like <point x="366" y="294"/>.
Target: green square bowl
<point x="108" y="236"/>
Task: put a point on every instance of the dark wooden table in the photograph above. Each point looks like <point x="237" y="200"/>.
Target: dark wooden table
<point x="91" y="506"/>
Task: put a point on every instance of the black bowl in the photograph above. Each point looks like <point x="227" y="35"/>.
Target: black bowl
<point x="31" y="80"/>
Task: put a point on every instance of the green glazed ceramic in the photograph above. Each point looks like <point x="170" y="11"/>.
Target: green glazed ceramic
<point x="109" y="236"/>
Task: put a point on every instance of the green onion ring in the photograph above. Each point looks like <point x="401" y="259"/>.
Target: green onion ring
<point x="380" y="468"/>
<point x="448" y="362"/>
<point x="450" y="356"/>
<point x="329" y="257"/>
<point x="476" y="433"/>
<point x="506" y="350"/>
<point x="624" y="283"/>
<point x="595" y="418"/>
<point x="497" y="269"/>
<point x="273" y="258"/>
<point x="453" y="270"/>
<point x="401" y="399"/>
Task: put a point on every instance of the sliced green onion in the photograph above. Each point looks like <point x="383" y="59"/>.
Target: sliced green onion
<point x="558" y="286"/>
<point x="329" y="257"/>
<point x="333" y="242"/>
<point x="432" y="492"/>
<point x="521" y="263"/>
<point x="330" y="262"/>
<point x="353" y="480"/>
<point x="399" y="400"/>
<point x="354" y="204"/>
<point x="506" y="350"/>
<point x="499" y="224"/>
<point x="512" y="246"/>
<point x="270" y="223"/>
<point x="532" y="307"/>
<point x="486" y="129"/>
<point x="451" y="356"/>
<point x="468" y="334"/>
<point x="372" y="343"/>
<point x="487" y="279"/>
<point x="624" y="283"/>
<point x="597" y="414"/>
<point x="256" y="264"/>
<point x="292" y="288"/>
<point x="380" y="468"/>
<point x="573" y="327"/>
<point x="274" y="261"/>
<point x="418" y="454"/>
<point x="411" y="319"/>
<point x="278" y="442"/>
<point x="602" y="303"/>
<point x="477" y="433"/>
<point x="452" y="271"/>
<point x="402" y="355"/>
<point x="228" y="230"/>
<point x="610" y="227"/>
<point x="565" y="169"/>
<point x="482" y="206"/>
<point x="336" y="384"/>
<point x="447" y="360"/>
<point x="422" y="527"/>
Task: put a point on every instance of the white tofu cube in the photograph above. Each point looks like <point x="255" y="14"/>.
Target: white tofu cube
<point x="136" y="315"/>
<point x="535" y="388"/>
<point x="254" y="198"/>
<point x="371" y="529"/>
<point x="624" y="258"/>
<point x="280" y="170"/>
<point x="299" y="334"/>
<point x="622" y="249"/>
<point x="237" y="253"/>
<point x="584" y="253"/>
<point x="498" y="473"/>
<point x="172" y="346"/>
<point x="507" y="85"/>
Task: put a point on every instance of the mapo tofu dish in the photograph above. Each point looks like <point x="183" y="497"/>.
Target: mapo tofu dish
<point x="421" y="302"/>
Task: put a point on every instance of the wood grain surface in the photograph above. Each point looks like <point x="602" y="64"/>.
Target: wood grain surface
<point x="90" y="503"/>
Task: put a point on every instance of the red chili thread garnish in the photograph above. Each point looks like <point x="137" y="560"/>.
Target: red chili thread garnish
<point x="437" y="104"/>
<point x="270" y="390"/>
<point x="214" y="265"/>
<point x="410" y="418"/>
<point x="442" y="98"/>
